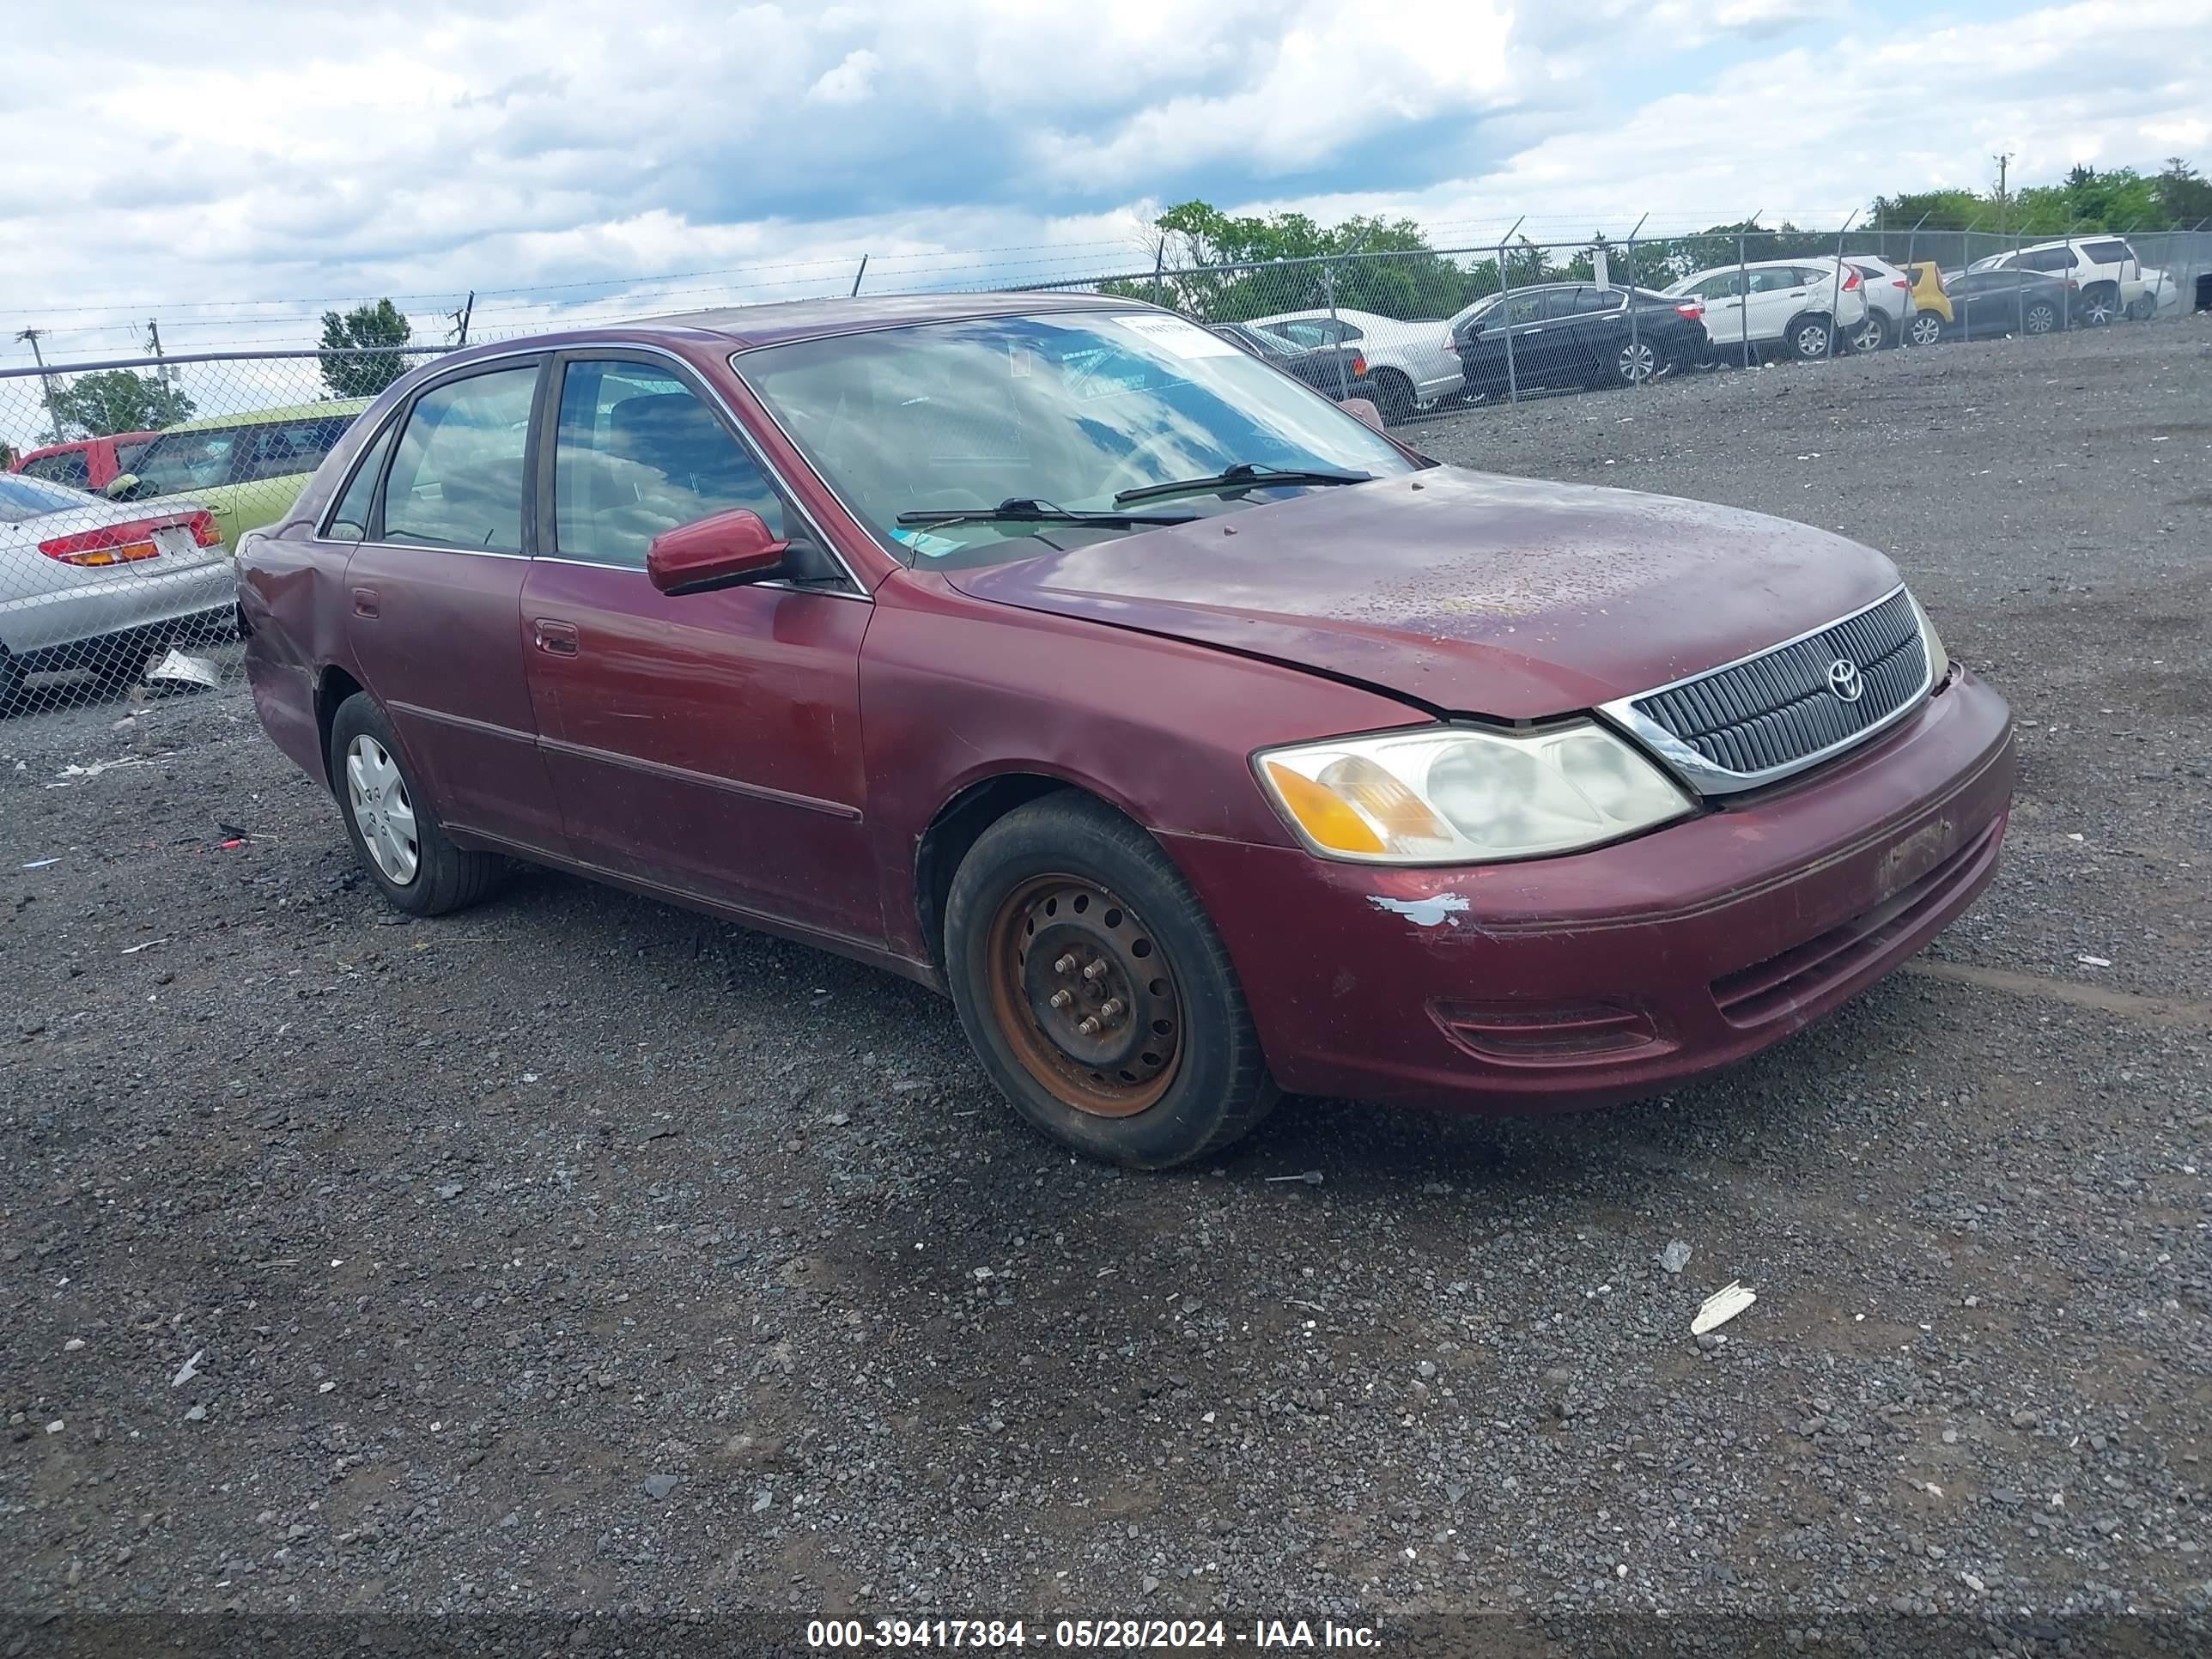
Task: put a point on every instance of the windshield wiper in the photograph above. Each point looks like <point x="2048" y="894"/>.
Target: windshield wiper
<point x="1019" y="509"/>
<point x="1245" y="475"/>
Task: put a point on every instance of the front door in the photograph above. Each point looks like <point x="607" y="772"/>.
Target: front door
<point x="1727" y="324"/>
<point x="708" y="743"/>
<point x="435" y="594"/>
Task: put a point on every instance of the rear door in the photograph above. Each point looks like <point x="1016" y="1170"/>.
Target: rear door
<point x="435" y="594"/>
<point x="708" y="743"/>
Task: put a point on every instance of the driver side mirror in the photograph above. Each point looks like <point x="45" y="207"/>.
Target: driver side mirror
<point x="1362" y="408"/>
<point x="722" y="551"/>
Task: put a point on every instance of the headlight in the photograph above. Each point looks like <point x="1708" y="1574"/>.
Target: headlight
<point x="1454" y="795"/>
<point x="1939" y="660"/>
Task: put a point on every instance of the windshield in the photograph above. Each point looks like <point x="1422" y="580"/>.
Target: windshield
<point x="186" y="460"/>
<point x="1064" y="411"/>
<point x="22" y="498"/>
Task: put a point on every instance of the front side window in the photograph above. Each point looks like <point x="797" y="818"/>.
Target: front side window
<point x="637" y="451"/>
<point x="70" y="467"/>
<point x="456" y="478"/>
<point x="1067" y="410"/>
<point x="126" y="455"/>
<point x="178" y="462"/>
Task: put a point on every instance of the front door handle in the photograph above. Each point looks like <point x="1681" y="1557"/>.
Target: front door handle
<point x="554" y="638"/>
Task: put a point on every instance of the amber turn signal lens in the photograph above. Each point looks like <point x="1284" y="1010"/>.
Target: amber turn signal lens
<point x="1322" y="813"/>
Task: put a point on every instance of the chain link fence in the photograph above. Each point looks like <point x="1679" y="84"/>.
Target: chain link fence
<point x="124" y="485"/>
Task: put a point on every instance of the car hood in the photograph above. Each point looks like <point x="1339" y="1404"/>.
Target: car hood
<point x="1465" y="591"/>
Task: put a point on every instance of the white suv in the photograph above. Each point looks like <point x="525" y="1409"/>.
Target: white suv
<point x="1412" y="362"/>
<point x="1804" y="308"/>
<point x="2111" y="279"/>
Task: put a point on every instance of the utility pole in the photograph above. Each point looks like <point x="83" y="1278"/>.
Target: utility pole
<point x="2004" y="200"/>
<point x="460" y="317"/>
<point x="46" y="381"/>
<point x="168" y="375"/>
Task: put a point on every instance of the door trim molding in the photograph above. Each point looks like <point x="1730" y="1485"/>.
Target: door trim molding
<point x="686" y="775"/>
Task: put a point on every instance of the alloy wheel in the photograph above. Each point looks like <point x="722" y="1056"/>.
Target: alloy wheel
<point x="1927" y="329"/>
<point x="376" y="795"/>
<point x="1638" y="362"/>
<point x="2041" y="319"/>
<point x="1812" y="340"/>
<point x="1084" y="995"/>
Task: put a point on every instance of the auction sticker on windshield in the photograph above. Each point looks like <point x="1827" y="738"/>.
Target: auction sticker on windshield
<point x="1176" y="337"/>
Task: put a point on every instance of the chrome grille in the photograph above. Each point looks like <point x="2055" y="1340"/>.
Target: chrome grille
<point x="1775" y="714"/>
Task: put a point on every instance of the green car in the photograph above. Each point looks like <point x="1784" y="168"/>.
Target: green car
<point x="245" y="469"/>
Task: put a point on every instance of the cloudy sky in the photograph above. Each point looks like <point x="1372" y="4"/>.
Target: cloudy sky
<point x="231" y="167"/>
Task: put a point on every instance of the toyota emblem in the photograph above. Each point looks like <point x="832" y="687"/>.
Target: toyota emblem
<point x="1843" y="680"/>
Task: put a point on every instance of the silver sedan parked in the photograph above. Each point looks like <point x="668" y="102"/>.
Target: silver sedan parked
<point x="94" y="585"/>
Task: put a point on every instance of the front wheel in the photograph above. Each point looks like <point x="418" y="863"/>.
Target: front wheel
<point x="1927" y="328"/>
<point x="1095" y="990"/>
<point x="1811" y="338"/>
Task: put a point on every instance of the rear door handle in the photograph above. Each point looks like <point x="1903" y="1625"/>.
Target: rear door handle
<point x="364" y="602"/>
<point x="554" y="638"/>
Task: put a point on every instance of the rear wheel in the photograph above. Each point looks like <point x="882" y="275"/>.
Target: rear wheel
<point x="394" y="832"/>
<point x="1927" y="328"/>
<point x="1095" y="992"/>
<point x="1394" y="397"/>
<point x="1874" y="334"/>
<point x="1810" y="337"/>
<point x="2041" y="316"/>
<point x="2101" y="303"/>
<point x="1636" y="361"/>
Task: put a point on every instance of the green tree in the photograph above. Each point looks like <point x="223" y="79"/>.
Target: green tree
<point x="346" y="370"/>
<point x="117" y="400"/>
<point x="2183" y="197"/>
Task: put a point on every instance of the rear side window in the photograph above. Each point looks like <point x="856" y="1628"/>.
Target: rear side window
<point x="349" y="519"/>
<point x="70" y="467"/>
<point x="456" y="476"/>
<point x="292" y="448"/>
<point x="2108" y="254"/>
<point x="22" y="497"/>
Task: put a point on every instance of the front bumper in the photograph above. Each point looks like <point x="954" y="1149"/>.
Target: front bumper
<point x="1617" y="973"/>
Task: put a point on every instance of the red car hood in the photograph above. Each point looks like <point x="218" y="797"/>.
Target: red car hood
<point x="1465" y="591"/>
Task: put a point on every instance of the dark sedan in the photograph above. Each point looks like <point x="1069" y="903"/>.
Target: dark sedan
<point x="1336" y="371"/>
<point x="1198" y="741"/>
<point x="1574" y="334"/>
<point x="1986" y="305"/>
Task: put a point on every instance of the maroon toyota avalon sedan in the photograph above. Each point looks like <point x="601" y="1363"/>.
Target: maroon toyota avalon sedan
<point x="1197" y="739"/>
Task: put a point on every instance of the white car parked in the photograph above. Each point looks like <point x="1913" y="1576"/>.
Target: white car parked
<point x="1890" y="309"/>
<point x="1411" y="361"/>
<point x="2111" y="281"/>
<point x="1798" y="306"/>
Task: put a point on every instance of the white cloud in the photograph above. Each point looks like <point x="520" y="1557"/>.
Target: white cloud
<point x="555" y="155"/>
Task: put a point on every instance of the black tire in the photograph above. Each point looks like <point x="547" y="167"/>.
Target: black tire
<point x="1218" y="1087"/>
<point x="1810" y="337"/>
<point x="11" y="683"/>
<point x="1927" y="329"/>
<point x="445" y="876"/>
<point x="1636" y="363"/>
<point x="1874" y="333"/>
<point x="2040" y="317"/>
<point x="1394" y="397"/>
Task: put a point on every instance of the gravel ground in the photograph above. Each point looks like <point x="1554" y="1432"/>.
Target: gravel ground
<point x="577" y="1253"/>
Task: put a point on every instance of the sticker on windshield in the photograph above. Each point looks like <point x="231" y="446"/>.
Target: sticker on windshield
<point x="930" y="547"/>
<point x="1176" y="337"/>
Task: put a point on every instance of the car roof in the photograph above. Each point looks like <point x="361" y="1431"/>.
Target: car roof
<point x="271" y="417"/>
<point x="783" y="320"/>
<point x="85" y="443"/>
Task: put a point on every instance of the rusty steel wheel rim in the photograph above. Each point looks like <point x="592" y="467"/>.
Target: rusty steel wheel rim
<point x="1086" y="995"/>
